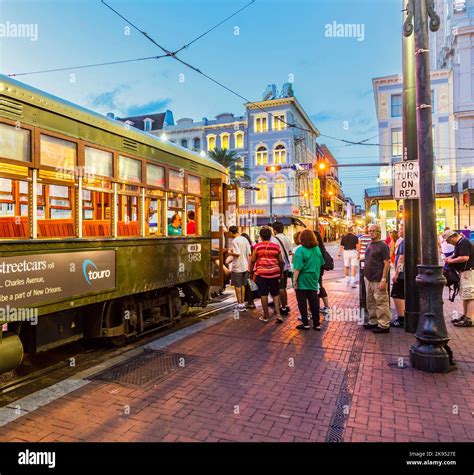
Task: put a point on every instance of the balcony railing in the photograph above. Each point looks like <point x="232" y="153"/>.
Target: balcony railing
<point x="379" y="191"/>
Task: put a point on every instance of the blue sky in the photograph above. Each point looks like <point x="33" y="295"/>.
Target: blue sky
<point x="276" y="39"/>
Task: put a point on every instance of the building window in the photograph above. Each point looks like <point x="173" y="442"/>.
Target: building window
<point x="279" y="154"/>
<point x="196" y="143"/>
<point x="261" y="196"/>
<point x="184" y="143"/>
<point x="239" y="172"/>
<point x="147" y="125"/>
<point x="262" y="156"/>
<point x="396" y="142"/>
<point x="239" y="140"/>
<point x="279" y="122"/>
<point x="279" y="190"/>
<point x="225" y="141"/>
<point x="261" y="124"/>
<point x="241" y="193"/>
<point x="211" y="142"/>
<point x="397" y="105"/>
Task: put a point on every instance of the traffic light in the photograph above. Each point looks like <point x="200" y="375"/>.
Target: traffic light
<point x="273" y="168"/>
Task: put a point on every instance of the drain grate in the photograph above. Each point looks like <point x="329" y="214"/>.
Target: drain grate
<point x="145" y="369"/>
<point x="344" y="398"/>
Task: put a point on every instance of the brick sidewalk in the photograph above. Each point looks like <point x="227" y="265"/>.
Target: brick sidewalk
<point x="244" y="380"/>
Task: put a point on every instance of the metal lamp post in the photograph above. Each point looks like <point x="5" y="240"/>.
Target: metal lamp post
<point x="430" y="353"/>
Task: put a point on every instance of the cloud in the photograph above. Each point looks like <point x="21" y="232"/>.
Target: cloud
<point x="150" y="108"/>
<point x="107" y="100"/>
<point x="122" y="100"/>
<point x="325" y="116"/>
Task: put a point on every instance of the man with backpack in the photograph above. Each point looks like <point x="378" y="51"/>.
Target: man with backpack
<point x="462" y="261"/>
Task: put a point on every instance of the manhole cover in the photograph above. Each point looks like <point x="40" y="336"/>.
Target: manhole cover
<point x="145" y="369"/>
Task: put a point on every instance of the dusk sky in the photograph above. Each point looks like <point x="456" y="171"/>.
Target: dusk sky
<point x="276" y="40"/>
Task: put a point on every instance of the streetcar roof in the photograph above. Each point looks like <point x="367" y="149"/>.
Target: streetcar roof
<point x="28" y="94"/>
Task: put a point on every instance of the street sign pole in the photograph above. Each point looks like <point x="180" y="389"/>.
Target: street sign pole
<point x="430" y="353"/>
<point x="411" y="208"/>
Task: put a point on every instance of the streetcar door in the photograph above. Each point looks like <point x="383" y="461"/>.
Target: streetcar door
<point x="223" y="215"/>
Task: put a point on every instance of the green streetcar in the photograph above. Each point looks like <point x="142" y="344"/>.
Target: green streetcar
<point x="105" y="231"/>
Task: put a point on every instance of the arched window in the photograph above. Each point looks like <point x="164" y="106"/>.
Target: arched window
<point x="225" y="141"/>
<point x="262" y="156"/>
<point x="279" y="154"/>
<point x="147" y="123"/>
<point x="197" y="143"/>
<point x="184" y="143"/>
<point x="239" y="140"/>
<point x="211" y="142"/>
<point x="279" y="189"/>
<point x="261" y="195"/>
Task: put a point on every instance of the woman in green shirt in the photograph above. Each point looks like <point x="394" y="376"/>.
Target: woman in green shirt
<point x="307" y="262"/>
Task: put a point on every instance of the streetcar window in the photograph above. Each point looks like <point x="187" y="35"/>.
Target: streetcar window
<point x="15" y="143"/>
<point x="57" y="153"/>
<point x="176" y="180"/>
<point x="174" y="214"/>
<point x="127" y="224"/>
<point x="215" y="221"/>
<point x="193" y="217"/>
<point x="96" y="213"/>
<point x="98" y="162"/>
<point x="55" y="211"/>
<point x="194" y="185"/>
<point x="13" y="208"/>
<point x="130" y="169"/>
<point x="155" y="175"/>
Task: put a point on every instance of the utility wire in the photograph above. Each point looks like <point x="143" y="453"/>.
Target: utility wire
<point x="87" y="66"/>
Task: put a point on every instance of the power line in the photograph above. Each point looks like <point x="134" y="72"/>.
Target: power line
<point x="87" y="66"/>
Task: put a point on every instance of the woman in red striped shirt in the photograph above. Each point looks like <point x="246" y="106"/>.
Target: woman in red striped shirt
<point x="267" y="265"/>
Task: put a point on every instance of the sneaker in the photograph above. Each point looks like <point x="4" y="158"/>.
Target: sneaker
<point x="370" y="326"/>
<point x="263" y="319"/>
<point x="303" y="327"/>
<point x="250" y="305"/>
<point x="284" y="310"/>
<point x="460" y="319"/>
<point x="301" y="318"/>
<point x="397" y="323"/>
<point x="317" y="328"/>
<point x="241" y="307"/>
<point x="324" y="310"/>
<point x="467" y="322"/>
<point x="381" y="330"/>
<point x="279" y="320"/>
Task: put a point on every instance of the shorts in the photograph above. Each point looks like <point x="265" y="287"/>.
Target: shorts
<point x="283" y="281"/>
<point x="350" y="258"/>
<point x="239" y="279"/>
<point x="266" y="286"/>
<point x="466" y="286"/>
<point x="398" y="290"/>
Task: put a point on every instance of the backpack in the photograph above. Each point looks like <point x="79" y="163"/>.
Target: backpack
<point x="328" y="260"/>
<point x="452" y="282"/>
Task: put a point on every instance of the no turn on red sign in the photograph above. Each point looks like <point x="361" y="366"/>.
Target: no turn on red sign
<point x="406" y="180"/>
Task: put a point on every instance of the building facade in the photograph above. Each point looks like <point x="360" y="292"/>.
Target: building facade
<point x="273" y="132"/>
<point x="388" y="92"/>
<point x="452" y="63"/>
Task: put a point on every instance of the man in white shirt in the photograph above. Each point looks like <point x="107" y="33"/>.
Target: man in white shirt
<point x="286" y="251"/>
<point x="240" y="251"/>
<point x="447" y="250"/>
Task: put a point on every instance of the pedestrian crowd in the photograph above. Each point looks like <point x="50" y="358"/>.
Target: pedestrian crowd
<point x="266" y="267"/>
